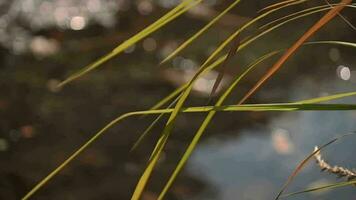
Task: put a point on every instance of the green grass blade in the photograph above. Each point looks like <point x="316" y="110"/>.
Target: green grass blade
<point x="326" y="18"/>
<point x="74" y="155"/>
<point x="221" y="59"/>
<point x="150" y="127"/>
<point x="205" y="123"/>
<point x="146" y="132"/>
<point x="244" y="44"/>
<point x="253" y="39"/>
<point x="160" y="145"/>
<point x="200" y="32"/>
<point x="171" y="15"/>
<point x="276" y="5"/>
<point x="168" y="98"/>
<point x="331" y="186"/>
<point x="246" y="107"/>
<point x="328" y="98"/>
<point x="237" y="32"/>
<point x="292" y="15"/>
<point x="342" y="43"/>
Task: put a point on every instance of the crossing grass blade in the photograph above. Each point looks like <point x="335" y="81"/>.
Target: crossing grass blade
<point x="244" y="27"/>
<point x="211" y="114"/>
<point x="151" y="126"/>
<point x="170" y="123"/>
<point x="253" y="39"/>
<point x="221" y="59"/>
<point x="246" y="107"/>
<point x="180" y="89"/>
<point x="242" y="46"/>
<point x="342" y="17"/>
<point x="171" y="15"/>
<point x="324" y="20"/>
<point x="205" y="123"/>
<point x="200" y="32"/>
<point x="330" y="186"/>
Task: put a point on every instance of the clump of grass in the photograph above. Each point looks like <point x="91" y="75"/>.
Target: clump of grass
<point x="176" y="100"/>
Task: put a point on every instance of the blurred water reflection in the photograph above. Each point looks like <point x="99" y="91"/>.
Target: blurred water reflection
<point x="20" y="18"/>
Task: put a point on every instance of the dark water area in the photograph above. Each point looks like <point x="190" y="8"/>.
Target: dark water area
<point x="242" y="155"/>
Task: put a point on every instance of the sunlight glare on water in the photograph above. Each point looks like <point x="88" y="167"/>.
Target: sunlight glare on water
<point x="344" y="72"/>
<point x="77" y="23"/>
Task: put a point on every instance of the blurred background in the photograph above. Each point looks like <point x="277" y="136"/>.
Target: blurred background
<point x="243" y="156"/>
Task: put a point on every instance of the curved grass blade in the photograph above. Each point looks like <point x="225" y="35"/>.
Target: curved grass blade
<point x="316" y="100"/>
<point x="331" y="186"/>
<point x="342" y="43"/>
<point x="293" y="14"/>
<point x="171" y="15"/>
<point x="246" y="107"/>
<point x="246" y="43"/>
<point x="205" y="123"/>
<point x="221" y="59"/>
<point x="150" y="127"/>
<point x="200" y="32"/>
<point x="245" y="26"/>
<point x="160" y="144"/>
<point x="325" y="19"/>
<point x="279" y="4"/>
<point x="328" y="98"/>
<point x="204" y="66"/>
<point x="176" y="93"/>
<point x="253" y="39"/>
<point x="305" y="161"/>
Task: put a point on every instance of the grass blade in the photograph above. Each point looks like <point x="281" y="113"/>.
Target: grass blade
<point x="304" y="162"/>
<point x="325" y="19"/>
<point x="222" y="58"/>
<point x="150" y="127"/>
<point x="171" y="15"/>
<point x="200" y="32"/>
<point x="342" y="17"/>
<point x="328" y="98"/>
<point x="276" y="5"/>
<point x="237" y="32"/>
<point x="331" y="186"/>
<point x="205" y="123"/>
<point x="246" y="107"/>
<point x="292" y="15"/>
<point x="234" y="46"/>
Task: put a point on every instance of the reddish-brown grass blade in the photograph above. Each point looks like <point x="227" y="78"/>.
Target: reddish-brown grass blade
<point x="325" y="19"/>
<point x="300" y="167"/>
<point x="234" y="46"/>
